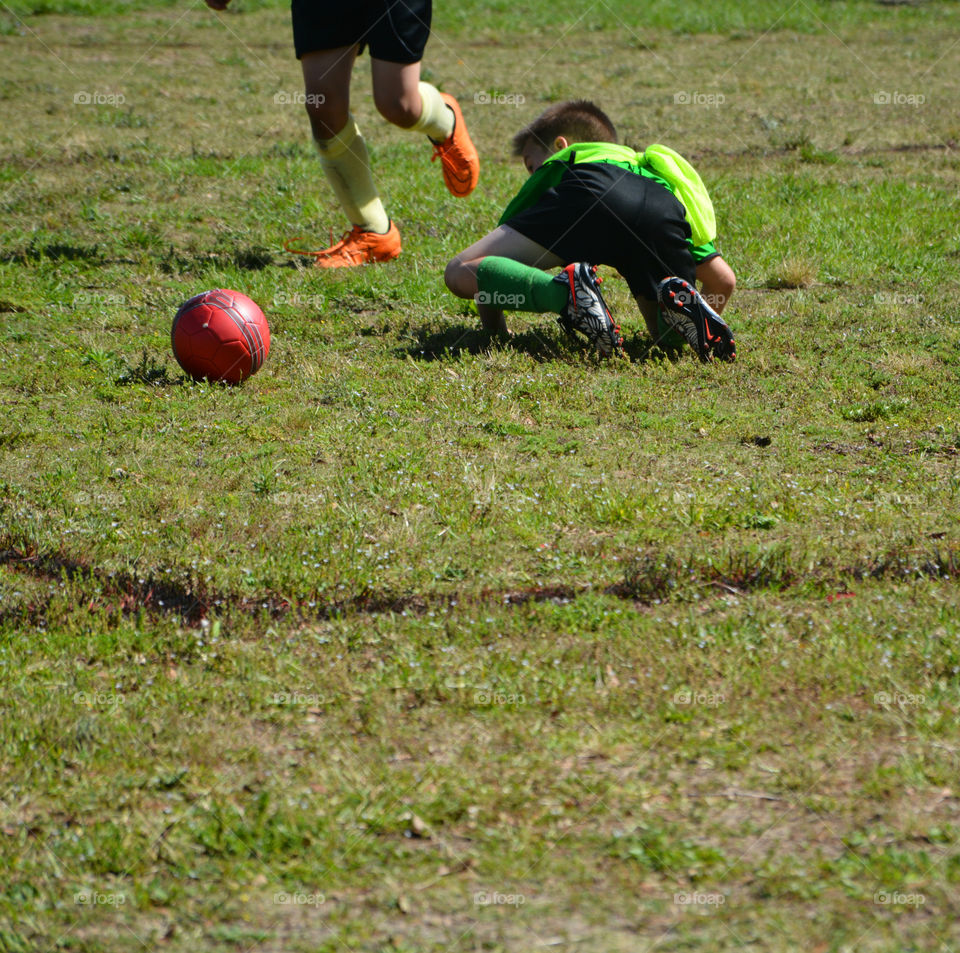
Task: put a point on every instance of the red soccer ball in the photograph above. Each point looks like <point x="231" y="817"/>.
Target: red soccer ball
<point x="220" y="336"/>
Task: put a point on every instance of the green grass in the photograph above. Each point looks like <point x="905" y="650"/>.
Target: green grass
<point x="415" y="643"/>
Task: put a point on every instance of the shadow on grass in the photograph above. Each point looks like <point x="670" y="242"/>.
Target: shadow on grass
<point x="51" y="252"/>
<point x="542" y="344"/>
<point x="431" y="345"/>
<point x="644" y="351"/>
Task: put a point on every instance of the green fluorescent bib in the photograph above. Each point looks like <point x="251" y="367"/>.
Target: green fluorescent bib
<point x="688" y="187"/>
<point x="681" y="178"/>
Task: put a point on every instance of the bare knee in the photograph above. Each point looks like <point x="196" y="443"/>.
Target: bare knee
<point x="326" y="119"/>
<point x="398" y="107"/>
<point x="728" y="283"/>
<point x="460" y="278"/>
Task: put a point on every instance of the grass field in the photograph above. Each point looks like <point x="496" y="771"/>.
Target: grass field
<point x="413" y="643"/>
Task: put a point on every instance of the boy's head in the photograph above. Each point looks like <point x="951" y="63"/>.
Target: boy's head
<point x="577" y="120"/>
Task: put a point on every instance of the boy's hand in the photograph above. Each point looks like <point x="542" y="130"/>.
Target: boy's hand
<point x="217" y="4"/>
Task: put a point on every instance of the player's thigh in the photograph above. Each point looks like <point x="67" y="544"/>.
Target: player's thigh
<point x="326" y="81"/>
<point x="504" y="242"/>
<point x="507" y="242"/>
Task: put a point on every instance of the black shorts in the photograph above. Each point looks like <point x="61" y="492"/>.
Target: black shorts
<point x="395" y="30"/>
<point x="607" y="215"/>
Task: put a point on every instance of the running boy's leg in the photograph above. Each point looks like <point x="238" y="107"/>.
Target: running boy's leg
<point x="343" y="153"/>
<point x="327" y="39"/>
<point x="404" y="99"/>
<point x="397" y="96"/>
<point x="326" y="82"/>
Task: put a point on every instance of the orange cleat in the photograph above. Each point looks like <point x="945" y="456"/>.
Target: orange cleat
<point x="357" y="247"/>
<point x="458" y="155"/>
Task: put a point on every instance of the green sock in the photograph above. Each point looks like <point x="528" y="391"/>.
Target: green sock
<point x="505" y="283"/>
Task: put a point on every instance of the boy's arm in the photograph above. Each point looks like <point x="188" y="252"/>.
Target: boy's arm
<point x="717" y="282"/>
<point x="546" y="177"/>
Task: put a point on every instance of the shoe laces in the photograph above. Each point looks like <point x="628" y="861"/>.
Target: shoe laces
<point x="615" y="325"/>
<point x="442" y="150"/>
<point x="323" y="252"/>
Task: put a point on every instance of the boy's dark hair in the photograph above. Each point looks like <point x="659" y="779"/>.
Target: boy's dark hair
<point x="577" y="120"/>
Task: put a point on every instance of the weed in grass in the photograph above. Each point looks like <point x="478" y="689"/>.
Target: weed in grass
<point x="147" y="371"/>
<point x="794" y="273"/>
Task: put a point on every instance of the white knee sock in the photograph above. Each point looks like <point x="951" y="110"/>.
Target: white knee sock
<point x="347" y="166"/>
<point x="436" y="119"/>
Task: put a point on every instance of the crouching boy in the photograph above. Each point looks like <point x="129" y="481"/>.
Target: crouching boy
<point x="589" y="202"/>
